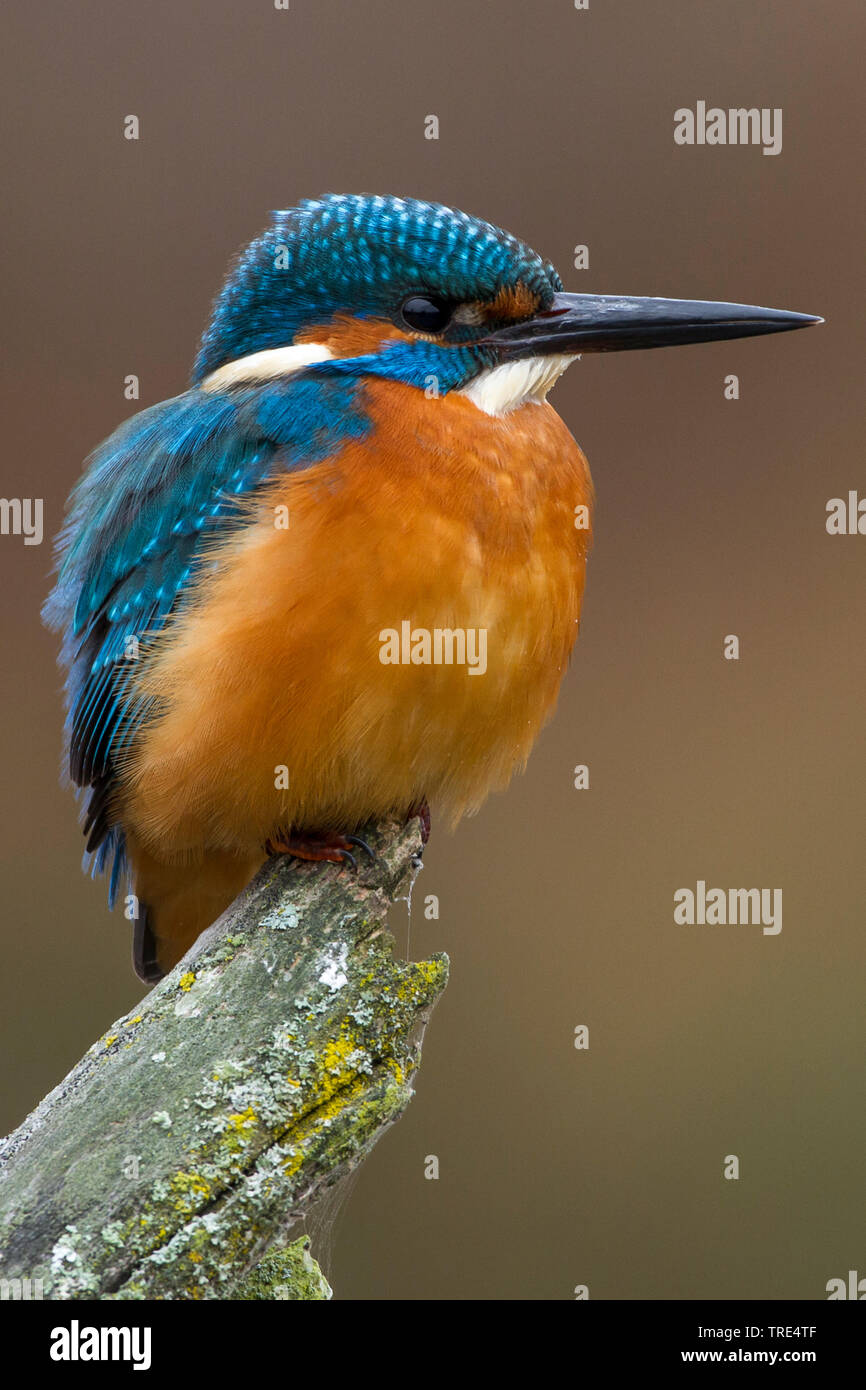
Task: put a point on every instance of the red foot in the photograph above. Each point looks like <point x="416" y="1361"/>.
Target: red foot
<point x="422" y="811"/>
<point x="318" y="847"/>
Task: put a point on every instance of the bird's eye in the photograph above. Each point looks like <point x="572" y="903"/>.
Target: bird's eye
<point x="425" y="313"/>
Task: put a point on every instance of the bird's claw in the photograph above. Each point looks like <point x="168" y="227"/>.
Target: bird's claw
<point x="421" y="809"/>
<point x="362" y="844"/>
<point x="316" y="849"/>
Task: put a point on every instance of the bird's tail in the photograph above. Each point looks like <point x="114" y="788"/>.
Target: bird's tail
<point x="176" y="902"/>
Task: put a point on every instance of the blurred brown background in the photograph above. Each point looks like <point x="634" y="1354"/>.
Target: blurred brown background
<point x="558" y="1167"/>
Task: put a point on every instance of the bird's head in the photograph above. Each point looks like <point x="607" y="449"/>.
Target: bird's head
<point x="426" y="295"/>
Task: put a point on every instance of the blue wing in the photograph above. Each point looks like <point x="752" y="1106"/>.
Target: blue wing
<point x="153" y="495"/>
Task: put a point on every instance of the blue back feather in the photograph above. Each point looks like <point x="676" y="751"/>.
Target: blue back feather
<point x="166" y="483"/>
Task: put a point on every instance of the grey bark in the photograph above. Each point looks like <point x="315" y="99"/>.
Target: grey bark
<point x="176" y="1157"/>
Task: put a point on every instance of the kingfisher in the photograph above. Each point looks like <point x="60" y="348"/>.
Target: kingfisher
<point x="269" y="587"/>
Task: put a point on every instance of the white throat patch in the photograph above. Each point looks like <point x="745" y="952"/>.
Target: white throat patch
<point x="262" y="366"/>
<point x="497" y="390"/>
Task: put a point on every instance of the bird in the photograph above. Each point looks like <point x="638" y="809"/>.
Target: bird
<point x="339" y="577"/>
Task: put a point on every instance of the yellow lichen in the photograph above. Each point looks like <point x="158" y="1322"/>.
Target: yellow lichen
<point x="396" y="1070"/>
<point x="191" y="1190"/>
<point x="243" y="1119"/>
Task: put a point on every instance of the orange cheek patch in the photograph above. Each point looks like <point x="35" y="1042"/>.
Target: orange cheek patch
<point x="346" y="336"/>
<point x="512" y="302"/>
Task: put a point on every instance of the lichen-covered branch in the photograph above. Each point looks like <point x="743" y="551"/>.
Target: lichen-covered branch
<point x="195" y="1133"/>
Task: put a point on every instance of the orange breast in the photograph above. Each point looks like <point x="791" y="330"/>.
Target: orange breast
<point x="444" y="519"/>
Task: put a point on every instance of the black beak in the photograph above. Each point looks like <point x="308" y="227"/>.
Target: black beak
<point x="577" y="323"/>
